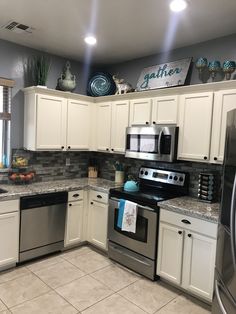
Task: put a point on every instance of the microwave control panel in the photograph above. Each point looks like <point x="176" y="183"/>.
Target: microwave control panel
<point x="164" y="176"/>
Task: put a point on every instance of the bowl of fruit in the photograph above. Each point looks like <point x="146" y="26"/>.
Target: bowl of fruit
<point x="21" y="177"/>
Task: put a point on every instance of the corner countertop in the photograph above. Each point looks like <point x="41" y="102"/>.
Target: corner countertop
<point x="192" y="207"/>
<point x="16" y="191"/>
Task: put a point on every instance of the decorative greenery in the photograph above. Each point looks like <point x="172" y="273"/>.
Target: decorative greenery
<point x="118" y="166"/>
<point x="40" y="67"/>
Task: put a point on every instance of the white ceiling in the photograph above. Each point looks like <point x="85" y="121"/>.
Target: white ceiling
<point x="125" y="29"/>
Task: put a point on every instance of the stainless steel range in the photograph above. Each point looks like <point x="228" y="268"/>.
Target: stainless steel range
<point x="138" y="251"/>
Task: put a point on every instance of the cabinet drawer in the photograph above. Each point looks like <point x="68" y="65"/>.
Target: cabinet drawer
<point x="9" y="206"/>
<point x="189" y="223"/>
<point x="75" y="195"/>
<point x="99" y="196"/>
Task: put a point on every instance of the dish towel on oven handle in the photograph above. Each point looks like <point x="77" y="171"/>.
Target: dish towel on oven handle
<point x="129" y="217"/>
<point x="120" y="213"/>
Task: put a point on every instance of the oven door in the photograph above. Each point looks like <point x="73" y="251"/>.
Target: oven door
<point x="152" y="143"/>
<point x="145" y="238"/>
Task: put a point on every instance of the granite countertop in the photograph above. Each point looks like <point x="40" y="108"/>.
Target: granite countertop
<point x="17" y="191"/>
<point x="192" y="207"/>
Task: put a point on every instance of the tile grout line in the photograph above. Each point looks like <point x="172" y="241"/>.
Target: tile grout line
<point x="51" y="289"/>
<point x="66" y="301"/>
<point x="132" y="302"/>
<point x="167" y="303"/>
<point x="93" y="303"/>
<point x="115" y="291"/>
<point x="1" y="283"/>
<point x="4" y="304"/>
<point x="24" y="301"/>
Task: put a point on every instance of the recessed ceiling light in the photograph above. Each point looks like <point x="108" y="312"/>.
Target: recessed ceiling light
<point x="90" y="40"/>
<point x="178" y="5"/>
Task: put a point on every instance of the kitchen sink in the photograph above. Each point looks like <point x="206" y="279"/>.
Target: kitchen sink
<point x="2" y="191"/>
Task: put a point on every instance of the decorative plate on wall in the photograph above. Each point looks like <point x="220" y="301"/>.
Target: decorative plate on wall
<point x="101" y="84"/>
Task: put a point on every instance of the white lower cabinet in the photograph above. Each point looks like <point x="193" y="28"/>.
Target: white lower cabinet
<point x="98" y="219"/>
<point x="170" y="249"/>
<point x="186" y="255"/>
<point x="74" y="218"/>
<point x="198" y="264"/>
<point x="9" y="233"/>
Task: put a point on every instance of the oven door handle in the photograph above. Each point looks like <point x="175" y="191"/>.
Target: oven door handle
<point x="138" y="205"/>
<point x="145" y="207"/>
<point x="159" y="141"/>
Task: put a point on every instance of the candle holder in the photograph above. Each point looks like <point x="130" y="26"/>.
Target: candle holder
<point x="214" y="67"/>
<point x="228" y="68"/>
<point x="201" y="65"/>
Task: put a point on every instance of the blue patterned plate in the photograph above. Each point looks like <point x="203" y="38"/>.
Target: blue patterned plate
<point x="101" y="84"/>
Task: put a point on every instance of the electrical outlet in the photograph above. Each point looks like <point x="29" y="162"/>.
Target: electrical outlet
<point x="67" y="161"/>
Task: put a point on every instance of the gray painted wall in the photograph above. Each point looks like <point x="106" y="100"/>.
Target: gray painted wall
<point x="221" y="49"/>
<point x="12" y="59"/>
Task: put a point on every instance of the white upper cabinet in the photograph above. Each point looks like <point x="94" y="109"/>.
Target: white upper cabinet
<point x="112" y="118"/>
<point x="78" y="125"/>
<point x="195" y="121"/>
<point x="103" y="133"/>
<point x="56" y="123"/>
<point x="119" y="122"/>
<point x="140" y="111"/>
<point x="224" y="102"/>
<point x="50" y="122"/>
<point x="165" y="110"/>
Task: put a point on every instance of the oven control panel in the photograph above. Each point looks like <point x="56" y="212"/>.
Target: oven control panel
<point x="164" y="176"/>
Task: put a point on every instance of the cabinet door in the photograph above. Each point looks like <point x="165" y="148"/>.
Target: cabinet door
<point x="120" y="121"/>
<point x="224" y="102"/>
<point x="199" y="264"/>
<point x="195" y="120"/>
<point x="51" y="123"/>
<point x="78" y="125"/>
<point x="170" y="248"/>
<point x="103" y="126"/>
<point x="74" y="223"/>
<point x="9" y="238"/>
<point x="140" y="111"/>
<point x="97" y="224"/>
<point x="165" y="110"/>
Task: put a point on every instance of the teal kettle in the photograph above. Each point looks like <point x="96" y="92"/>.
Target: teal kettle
<point x="131" y="185"/>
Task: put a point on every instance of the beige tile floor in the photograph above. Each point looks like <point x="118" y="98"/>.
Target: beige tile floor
<point x="85" y="281"/>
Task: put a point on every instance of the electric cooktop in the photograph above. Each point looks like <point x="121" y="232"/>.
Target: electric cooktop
<point x="156" y="185"/>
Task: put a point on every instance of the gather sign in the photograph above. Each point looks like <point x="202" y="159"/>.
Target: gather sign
<point x="164" y="75"/>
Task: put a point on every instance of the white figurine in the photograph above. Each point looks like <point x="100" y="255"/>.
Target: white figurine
<point x="121" y="86"/>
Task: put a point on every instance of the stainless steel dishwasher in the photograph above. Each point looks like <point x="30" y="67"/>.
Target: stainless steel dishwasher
<point x="42" y="224"/>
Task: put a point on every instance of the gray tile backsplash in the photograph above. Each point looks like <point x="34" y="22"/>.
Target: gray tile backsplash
<point x="52" y="166"/>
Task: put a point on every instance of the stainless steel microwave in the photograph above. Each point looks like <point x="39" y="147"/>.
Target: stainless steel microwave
<point x="157" y="142"/>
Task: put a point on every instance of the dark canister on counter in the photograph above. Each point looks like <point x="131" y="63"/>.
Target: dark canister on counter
<point x="208" y="186"/>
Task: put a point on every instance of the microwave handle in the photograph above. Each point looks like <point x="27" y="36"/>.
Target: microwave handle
<point x="159" y="141"/>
